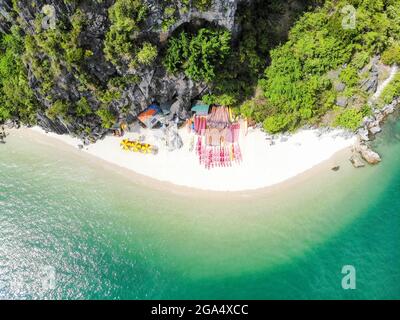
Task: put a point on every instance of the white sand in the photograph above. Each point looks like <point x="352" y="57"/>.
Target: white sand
<point x="263" y="165"/>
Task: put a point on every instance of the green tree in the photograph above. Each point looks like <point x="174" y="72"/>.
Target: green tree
<point x="58" y="109"/>
<point x="147" y="54"/>
<point x="349" y="119"/>
<point x="392" y="91"/>
<point x="107" y="117"/>
<point x="125" y="17"/>
<point x="17" y="99"/>
<point x="392" y="54"/>
<point x="198" y="55"/>
<point x="82" y="107"/>
<point x="276" y="123"/>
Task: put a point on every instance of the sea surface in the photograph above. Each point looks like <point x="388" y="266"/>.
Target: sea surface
<point x="75" y="228"/>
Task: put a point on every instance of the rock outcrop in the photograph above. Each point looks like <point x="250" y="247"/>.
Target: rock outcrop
<point x="370" y="127"/>
<point x="5" y="17"/>
<point x="372" y="124"/>
<point x="154" y="82"/>
<point x="370" y="84"/>
<point x="221" y="12"/>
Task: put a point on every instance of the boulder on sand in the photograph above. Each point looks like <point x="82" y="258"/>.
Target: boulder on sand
<point x="171" y="137"/>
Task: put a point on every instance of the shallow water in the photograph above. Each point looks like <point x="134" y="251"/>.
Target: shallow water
<point x="99" y="234"/>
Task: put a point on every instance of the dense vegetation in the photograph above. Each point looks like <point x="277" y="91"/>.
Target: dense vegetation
<point x="297" y="87"/>
<point x="198" y="55"/>
<point x="16" y="97"/>
<point x="236" y="80"/>
<point x="280" y="78"/>
<point x="51" y="53"/>
<point x="392" y="91"/>
<point x="121" y="43"/>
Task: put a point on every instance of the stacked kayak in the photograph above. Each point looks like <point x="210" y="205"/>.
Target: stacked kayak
<point x="136" y="146"/>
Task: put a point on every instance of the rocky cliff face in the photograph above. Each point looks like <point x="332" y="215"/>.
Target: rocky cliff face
<point x="153" y="81"/>
<point x="5" y="19"/>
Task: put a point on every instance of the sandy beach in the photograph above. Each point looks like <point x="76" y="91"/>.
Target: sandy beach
<point x="264" y="164"/>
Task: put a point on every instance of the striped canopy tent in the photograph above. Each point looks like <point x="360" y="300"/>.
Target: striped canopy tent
<point x="219" y="117"/>
<point x="217" y="136"/>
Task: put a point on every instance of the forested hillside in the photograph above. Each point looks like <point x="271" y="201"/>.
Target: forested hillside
<point x="79" y="66"/>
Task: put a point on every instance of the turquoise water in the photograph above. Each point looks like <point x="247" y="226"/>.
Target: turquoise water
<point x="100" y="234"/>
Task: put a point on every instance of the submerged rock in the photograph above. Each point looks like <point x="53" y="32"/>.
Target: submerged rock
<point x="357" y="161"/>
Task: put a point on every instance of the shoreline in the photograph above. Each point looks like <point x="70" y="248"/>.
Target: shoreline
<point x="264" y="166"/>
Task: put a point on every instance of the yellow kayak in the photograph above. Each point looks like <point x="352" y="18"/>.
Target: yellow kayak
<point x="136" y="146"/>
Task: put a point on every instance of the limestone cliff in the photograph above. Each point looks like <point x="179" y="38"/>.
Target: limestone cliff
<point x="82" y="27"/>
<point x="153" y="81"/>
